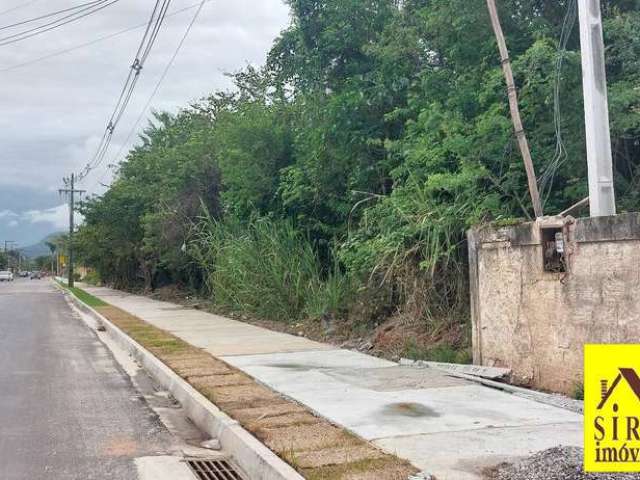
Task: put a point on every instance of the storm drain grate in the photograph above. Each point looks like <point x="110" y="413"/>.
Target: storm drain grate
<point x="214" y="469"/>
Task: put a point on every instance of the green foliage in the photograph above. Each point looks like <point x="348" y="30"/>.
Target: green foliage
<point x="265" y="267"/>
<point x="92" y="278"/>
<point x="42" y="262"/>
<point x="134" y="233"/>
<point x="442" y="352"/>
<point x="350" y="166"/>
<point x="254" y="146"/>
<point x="87" y="298"/>
<point x="84" y="296"/>
<point x="578" y="391"/>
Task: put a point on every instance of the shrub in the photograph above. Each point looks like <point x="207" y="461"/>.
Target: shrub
<point x="265" y="267"/>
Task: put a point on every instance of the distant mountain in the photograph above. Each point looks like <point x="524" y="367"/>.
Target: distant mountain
<point x="39" y="249"/>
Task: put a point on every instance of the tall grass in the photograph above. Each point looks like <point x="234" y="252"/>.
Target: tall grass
<point x="264" y="267"/>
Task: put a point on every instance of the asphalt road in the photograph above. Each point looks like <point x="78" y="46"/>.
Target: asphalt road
<point x="67" y="409"/>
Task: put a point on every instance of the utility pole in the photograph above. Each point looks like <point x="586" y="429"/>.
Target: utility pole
<point x="71" y="191"/>
<point x="596" y="110"/>
<point x="9" y="245"/>
<point x="515" y="109"/>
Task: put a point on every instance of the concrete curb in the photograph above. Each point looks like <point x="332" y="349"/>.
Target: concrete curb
<point x="254" y="458"/>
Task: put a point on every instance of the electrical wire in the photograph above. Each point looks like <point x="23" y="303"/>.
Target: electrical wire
<point x="78" y="15"/>
<point x="125" y="96"/>
<point x="149" y="38"/>
<point x="51" y="14"/>
<point x="92" y="42"/>
<point x="145" y="46"/>
<point x="560" y="156"/>
<point x="158" y="84"/>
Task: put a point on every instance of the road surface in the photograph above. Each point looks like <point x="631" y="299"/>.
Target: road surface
<point x="67" y="409"/>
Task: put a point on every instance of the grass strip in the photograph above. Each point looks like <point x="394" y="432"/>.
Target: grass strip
<point x="83" y="296"/>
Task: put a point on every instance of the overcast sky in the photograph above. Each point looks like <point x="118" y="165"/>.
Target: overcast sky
<point x="54" y="111"/>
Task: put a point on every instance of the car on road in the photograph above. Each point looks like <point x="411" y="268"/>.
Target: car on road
<point x="6" y="276"/>
<point x="35" y="275"/>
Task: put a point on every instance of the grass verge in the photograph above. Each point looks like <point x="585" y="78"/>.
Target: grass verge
<point x="316" y="448"/>
<point x="83" y="296"/>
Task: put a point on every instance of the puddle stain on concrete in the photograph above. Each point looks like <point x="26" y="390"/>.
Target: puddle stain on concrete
<point x="295" y="366"/>
<point x="414" y="410"/>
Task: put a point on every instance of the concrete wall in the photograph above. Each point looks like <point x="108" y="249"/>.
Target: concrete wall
<point x="536" y="322"/>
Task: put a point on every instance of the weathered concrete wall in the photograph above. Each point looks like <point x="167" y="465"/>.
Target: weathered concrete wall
<point x="536" y="322"/>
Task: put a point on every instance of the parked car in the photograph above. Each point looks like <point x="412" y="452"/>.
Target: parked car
<point x="6" y="276"/>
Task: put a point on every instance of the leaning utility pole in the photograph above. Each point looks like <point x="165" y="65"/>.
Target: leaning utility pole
<point x="71" y="191"/>
<point x="515" y="110"/>
<point x="596" y="110"/>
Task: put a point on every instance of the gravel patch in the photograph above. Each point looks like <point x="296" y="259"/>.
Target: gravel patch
<point x="560" y="463"/>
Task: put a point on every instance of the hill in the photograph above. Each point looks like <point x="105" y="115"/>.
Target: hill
<point x="39" y="249"/>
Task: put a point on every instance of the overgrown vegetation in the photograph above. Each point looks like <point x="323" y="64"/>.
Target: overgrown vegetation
<point x="337" y="181"/>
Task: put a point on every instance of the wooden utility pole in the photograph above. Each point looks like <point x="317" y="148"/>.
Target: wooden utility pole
<point x="71" y="191"/>
<point x="596" y="110"/>
<point x="515" y="110"/>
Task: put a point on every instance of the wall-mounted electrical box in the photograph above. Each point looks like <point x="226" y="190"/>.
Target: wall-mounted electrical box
<point x="553" y="249"/>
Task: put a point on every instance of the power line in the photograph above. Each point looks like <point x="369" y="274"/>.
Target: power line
<point x="128" y="88"/>
<point x="160" y="80"/>
<point x="156" y="20"/>
<point x="560" y="156"/>
<point x="51" y="14"/>
<point x="92" y="42"/>
<point x="78" y="15"/>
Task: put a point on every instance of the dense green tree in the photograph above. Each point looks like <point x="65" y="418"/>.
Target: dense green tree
<point x="136" y="231"/>
<point x="380" y="131"/>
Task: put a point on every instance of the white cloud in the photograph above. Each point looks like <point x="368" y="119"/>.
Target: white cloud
<point x="56" y="216"/>
<point x="55" y="111"/>
<point x="13" y="223"/>
<point x="7" y="214"/>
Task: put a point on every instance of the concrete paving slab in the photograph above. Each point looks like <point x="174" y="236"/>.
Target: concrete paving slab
<point x="463" y="455"/>
<point x="373" y="414"/>
<point x="334" y="358"/>
<point x="447" y="426"/>
<point x="218" y="335"/>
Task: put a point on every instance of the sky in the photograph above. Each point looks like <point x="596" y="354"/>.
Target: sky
<point x="55" y="110"/>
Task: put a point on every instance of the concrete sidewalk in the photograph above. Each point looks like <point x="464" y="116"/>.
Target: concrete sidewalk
<point x="446" y="426"/>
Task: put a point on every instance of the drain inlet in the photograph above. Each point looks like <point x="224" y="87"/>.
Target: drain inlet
<point x="210" y="469"/>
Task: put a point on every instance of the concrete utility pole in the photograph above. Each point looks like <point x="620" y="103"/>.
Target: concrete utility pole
<point x="515" y="109"/>
<point x="71" y="191"/>
<point x="9" y="245"/>
<point x="596" y="110"/>
<point x="6" y="244"/>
